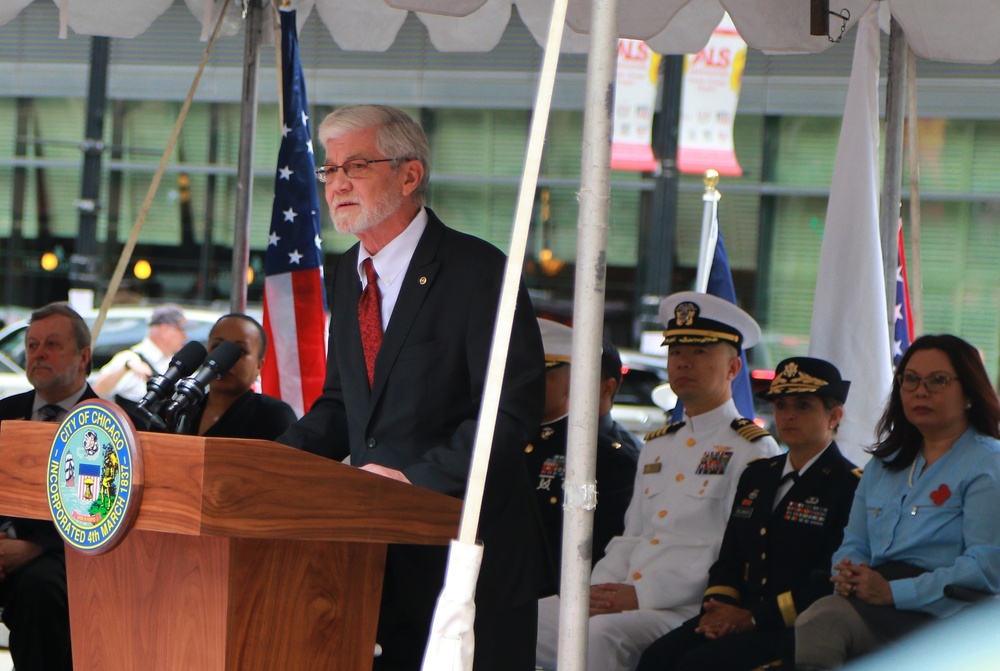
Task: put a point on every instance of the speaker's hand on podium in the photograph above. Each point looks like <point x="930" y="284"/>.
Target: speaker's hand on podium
<point x="385" y="472"/>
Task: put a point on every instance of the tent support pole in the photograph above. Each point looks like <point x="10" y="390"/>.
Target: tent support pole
<point x="588" y="322"/>
<point x="244" y="176"/>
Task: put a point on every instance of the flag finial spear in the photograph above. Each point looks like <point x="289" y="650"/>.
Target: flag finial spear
<point x="711" y="179"/>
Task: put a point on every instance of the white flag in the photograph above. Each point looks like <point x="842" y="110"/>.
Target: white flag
<point x="850" y="320"/>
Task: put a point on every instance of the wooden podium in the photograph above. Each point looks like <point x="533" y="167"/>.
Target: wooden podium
<point x="246" y="555"/>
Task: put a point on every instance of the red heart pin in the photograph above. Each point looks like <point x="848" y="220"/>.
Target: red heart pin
<point x="940" y="495"/>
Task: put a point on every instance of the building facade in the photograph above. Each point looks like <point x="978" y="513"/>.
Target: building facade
<point x="476" y="109"/>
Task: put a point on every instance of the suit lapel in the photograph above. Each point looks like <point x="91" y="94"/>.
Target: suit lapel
<point x="822" y="468"/>
<point x="417" y="283"/>
<point x="773" y="482"/>
<point x="815" y="473"/>
<point x="29" y="401"/>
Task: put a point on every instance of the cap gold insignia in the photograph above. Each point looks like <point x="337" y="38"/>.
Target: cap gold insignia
<point x="793" y="379"/>
<point x="685" y="313"/>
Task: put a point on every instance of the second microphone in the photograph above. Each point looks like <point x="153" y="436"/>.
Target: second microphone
<point x="192" y="389"/>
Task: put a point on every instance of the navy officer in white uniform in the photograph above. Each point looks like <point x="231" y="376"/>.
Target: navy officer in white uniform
<point x="652" y="577"/>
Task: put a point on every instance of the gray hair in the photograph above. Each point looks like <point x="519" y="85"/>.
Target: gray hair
<point x="398" y="136"/>
<point x="81" y="333"/>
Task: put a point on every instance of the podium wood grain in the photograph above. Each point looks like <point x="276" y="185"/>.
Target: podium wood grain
<point x="246" y="555"/>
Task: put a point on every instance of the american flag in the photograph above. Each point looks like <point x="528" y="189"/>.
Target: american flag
<point x="294" y="297"/>
<point x="903" y="317"/>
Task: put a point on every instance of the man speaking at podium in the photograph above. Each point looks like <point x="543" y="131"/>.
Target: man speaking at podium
<point x="32" y="560"/>
<point x="413" y="307"/>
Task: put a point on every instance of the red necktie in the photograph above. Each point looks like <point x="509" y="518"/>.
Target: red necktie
<point x="370" y="318"/>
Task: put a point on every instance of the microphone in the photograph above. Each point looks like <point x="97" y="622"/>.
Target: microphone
<point x="183" y="364"/>
<point x="192" y="389"/>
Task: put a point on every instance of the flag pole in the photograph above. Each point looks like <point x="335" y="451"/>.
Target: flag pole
<point x="913" y="138"/>
<point x="716" y="278"/>
<point x="709" y="230"/>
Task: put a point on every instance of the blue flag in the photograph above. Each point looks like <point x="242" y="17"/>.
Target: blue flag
<point x="720" y="283"/>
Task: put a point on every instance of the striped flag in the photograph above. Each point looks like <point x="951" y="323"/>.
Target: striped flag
<point x="294" y="297"/>
<point x="903" y="316"/>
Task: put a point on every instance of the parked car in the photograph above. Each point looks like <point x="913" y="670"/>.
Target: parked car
<point x="634" y="407"/>
<point x="123" y="327"/>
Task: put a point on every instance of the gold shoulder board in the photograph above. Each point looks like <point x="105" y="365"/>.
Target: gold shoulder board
<point x="664" y="430"/>
<point x="746" y="428"/>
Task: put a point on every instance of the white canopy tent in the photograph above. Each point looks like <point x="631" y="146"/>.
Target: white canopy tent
<point x="962" y="33"/>
<point x="934" y="30"/>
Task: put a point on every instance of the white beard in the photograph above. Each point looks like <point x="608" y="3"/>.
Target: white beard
<point x="367" y="216"/>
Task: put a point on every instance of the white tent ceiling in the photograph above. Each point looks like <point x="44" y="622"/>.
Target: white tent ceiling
<point x="958" y="32"/>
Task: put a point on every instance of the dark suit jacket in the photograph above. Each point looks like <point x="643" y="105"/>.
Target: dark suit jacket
<point x="252" y="415"/>
<point x="777" y="563"/>
<point x="420" y="415"/>
<point x="40" y="532"/>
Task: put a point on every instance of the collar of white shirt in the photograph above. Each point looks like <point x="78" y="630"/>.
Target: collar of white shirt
<point x="392" y="261"/>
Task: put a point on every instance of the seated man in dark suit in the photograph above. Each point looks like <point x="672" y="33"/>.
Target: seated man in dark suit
<point x="32" y="563"/>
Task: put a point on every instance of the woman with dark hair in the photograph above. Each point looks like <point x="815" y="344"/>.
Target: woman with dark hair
<point x="232" y="409"/>
<point x="926" y="514"/>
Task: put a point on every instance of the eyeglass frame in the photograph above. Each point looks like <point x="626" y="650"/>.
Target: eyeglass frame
<point x="321" y="172"/>
<point x="938" y="386"/>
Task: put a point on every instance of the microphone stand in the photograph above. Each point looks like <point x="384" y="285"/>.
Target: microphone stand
<point x="155" y="421"/>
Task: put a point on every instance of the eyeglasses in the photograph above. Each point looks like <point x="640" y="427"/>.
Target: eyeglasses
<point x="933" y="383"/>
<point x="359" y="167"/>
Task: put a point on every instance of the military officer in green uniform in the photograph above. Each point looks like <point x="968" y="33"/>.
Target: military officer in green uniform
<point x="787" y="520"/>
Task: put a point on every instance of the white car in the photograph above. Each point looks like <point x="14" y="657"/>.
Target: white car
<point x="634" y="407"/>
<point x="123" y="327"/>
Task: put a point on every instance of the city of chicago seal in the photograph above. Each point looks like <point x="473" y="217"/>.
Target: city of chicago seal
<point x="94" y="479"/>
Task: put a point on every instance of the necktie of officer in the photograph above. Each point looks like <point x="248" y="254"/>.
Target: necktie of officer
<point x="50" y="412"/>
<point x="788" y="480"/>
<point x="370" y="318"/>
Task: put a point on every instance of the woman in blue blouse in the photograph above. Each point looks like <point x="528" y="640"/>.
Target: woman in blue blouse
<point x="926" y="513"/>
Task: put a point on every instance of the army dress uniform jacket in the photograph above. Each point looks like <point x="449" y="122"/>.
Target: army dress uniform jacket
<point x="776" y="563"/>
<point x="684" y="489"/>
<point x="617" y="454"/>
